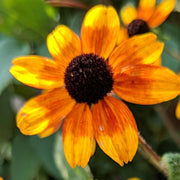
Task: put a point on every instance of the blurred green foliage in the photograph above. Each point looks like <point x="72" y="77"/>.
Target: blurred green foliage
<point x="173" y="162"/>
<point x="24" y="25"/>
<point x="9" y="49"/>
<point x="29" y="20"/>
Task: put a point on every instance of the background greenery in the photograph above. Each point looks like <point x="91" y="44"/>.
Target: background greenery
<point x="24" y="25"/>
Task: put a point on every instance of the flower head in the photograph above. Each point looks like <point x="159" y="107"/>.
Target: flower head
<point x="177" y="112"/>
<point x="80" y="81"/>
<point x="146" y="16"/>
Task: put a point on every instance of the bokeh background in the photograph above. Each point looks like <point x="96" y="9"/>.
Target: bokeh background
<point x="24" y="26"/>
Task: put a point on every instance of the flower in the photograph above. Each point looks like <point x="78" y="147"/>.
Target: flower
<point x="177" y="112"/>
<point x="80" y="81"/>
<point x="146" y="16"/>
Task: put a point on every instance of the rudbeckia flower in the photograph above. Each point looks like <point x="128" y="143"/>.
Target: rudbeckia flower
<point x="145" y="17"/>
<point x="178" y="106"/>
<point x="134" y="178"/>
<point x="80" y="81"/>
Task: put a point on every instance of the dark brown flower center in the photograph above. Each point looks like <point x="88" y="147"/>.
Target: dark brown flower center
<point x="137" y="26"/>
<point x="88" y="78"/>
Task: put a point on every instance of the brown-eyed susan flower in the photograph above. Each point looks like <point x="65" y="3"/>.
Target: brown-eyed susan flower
<point x="178" y="106"/>
<point x="178" y="110"/>
<point x="80" y="80"/>
<point x="146" y="16"/>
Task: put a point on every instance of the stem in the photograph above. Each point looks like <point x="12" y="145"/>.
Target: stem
<point x="68" y="3"/>
<point x="146" y="151"/>
<point x="168" y="123"/>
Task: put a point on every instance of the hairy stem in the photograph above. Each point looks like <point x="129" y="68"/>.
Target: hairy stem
<point x="68" y="3"/>
<point x="146" y="151"/>
<point x="168" y="123"/>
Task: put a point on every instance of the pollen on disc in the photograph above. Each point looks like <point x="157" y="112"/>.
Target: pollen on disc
<point x="88" y="78"/>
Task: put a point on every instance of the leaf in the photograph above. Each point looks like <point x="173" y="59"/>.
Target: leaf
<point x="42" y="50"/>
<point x="170" y="30"/>
<point x="9" y="49"/>
<point x="172" y="160"/>
<point x="51" y="152"/>
<point x="7" y="122"/>
<point x="170" y="62"/>
<point x="29" y="20"/>
<point x="25" y="163"/>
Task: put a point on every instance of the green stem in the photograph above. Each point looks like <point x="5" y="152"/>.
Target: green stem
<point x="146" y="151"/>
<point x="168" y="123"/>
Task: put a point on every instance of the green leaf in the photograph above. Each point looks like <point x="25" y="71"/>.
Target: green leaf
<point x="50" y="150"/>
<point x="42" y="50"/>
<point x="7" y="121"/>
<point x="170" y="62"/>
<point x="173" y="164"/>
<point x="9" y="49"/>
<point x="25" y="163"/>
<point x="29" y="20"/>
<point x="170" y="30"/>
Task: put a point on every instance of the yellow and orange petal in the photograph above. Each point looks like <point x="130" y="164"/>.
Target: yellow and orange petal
<point x="128" y="14"/>
<point x="146" y="9"/>
<point x="99" y="32"/>
<point x="38" y="72"/>
<point x="178" y="110"/>
<point x="140" y="49"/>
<point x="44" y="111"/>
<point x="146" y="84"/>
<point x="78" y="137"/>
<point x="133" y="178"/>
<point x="63" y="44"/>
<point x="158" y="62"/>
<point x="115" y="129"/>
<point x="123" y="35"/>
<point x="161" y="13"/>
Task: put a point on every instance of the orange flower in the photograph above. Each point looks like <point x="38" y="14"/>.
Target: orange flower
<point x="146" y="16"/>
<point x="178" y="106"/>
<point x="80" y="80"/>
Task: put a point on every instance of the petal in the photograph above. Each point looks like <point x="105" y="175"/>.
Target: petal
<point x="78" y="138"/>
<point x="128" y="14"/>
<point x="146" y="84"/>
<point x="158" y="62"/>
<point x="38" y="72"/>
<point x="161" y="13"/>
<point x="44" y="111"/>
<point x="63" y="44"/>
<point x="123" y="35"/>
<point x="100" y="30"/>
<point x="115" y="129"/>
<point x="51" y="129"/>
<point x="178" y="110"/>
<point x="138" y="49"/>
<point x="146" y="9"/>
